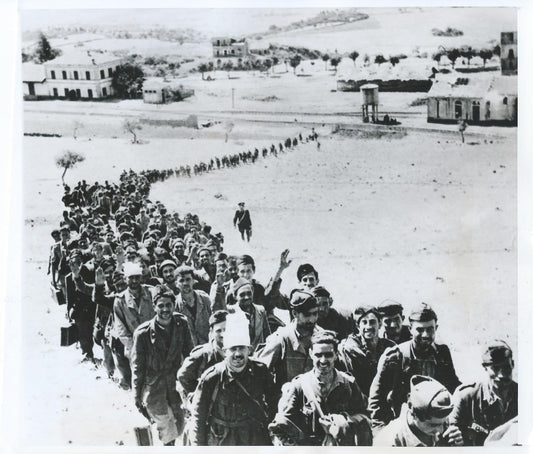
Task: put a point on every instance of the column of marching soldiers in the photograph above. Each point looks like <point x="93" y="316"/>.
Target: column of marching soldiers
<point x="187" y="328"/>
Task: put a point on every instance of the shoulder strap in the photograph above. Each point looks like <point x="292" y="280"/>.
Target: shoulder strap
<point x="245" y="391"/>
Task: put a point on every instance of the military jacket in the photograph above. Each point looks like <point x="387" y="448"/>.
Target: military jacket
<point x="230" y="409"/>
<point x="396" y="366"/>
<point x="477" y="411"/>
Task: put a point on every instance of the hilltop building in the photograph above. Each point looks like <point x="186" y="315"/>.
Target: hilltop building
<point x="227" y="47"/>
<point x="83" y="75"/>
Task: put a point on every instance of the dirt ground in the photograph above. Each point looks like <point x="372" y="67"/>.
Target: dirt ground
<point x="413" y="217"/>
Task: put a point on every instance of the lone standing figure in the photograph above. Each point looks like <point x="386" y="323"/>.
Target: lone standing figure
<point x="243" y="221"/>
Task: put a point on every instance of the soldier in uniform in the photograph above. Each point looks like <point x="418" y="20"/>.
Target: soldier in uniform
<point x="307" y="276"/>
<point x="359" y="353"/>
<point x="286" y="351"/>
<point x="159" y="346"/>
<point x="203" y="356"/>
<point x="392" y="327"/>
<point x="166" y="273"/>
<point x="419" y="356"/>
<point x="323" y="406"/>
<point x="481" y="407"/>
<point x="234" y="400"/>
<point x="423" y="420"/>
<point x="243" y="221"/>
<point x="330" y="318"/>
<point x="131" y="308"/>
<point x="258" y="323"/>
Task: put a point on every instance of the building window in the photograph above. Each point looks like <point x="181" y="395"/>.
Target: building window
<point x="104" y="91"/>
<point x="78" y="93"/>
<point x="56" y="94"/>
<point x="505" y="101"/>
<point x="233" y="51"/>
<point x="64" y="74"/>
<point x="102" y="74"/>
<point x="53" y="74"/>
<point x="458" y="109"/>
<point x="66" y="92"/>
<point x="90" y="93"/>
<point x="110" y="72"/>
<point x="218" y="42"/>
<point x="76" y="75"/>
<point x="510" y="55"/>
<point x="487" y="110"/>
<point x="88" y="75"/>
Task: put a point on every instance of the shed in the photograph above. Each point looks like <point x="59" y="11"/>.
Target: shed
<point x="34" y="81"/>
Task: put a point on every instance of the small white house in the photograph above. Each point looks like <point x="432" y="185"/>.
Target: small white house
<point x="34" y="81"/>
<point x="490" y="101"/>
<point x="160" y="91"/>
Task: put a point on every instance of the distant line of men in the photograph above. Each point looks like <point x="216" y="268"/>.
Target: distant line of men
<point x="197" y="338"/>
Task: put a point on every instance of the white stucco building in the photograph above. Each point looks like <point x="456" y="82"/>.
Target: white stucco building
<point x="34" y="81"/>
<point x="86" y="75"/>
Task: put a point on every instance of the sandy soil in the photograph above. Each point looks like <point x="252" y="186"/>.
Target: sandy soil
<point x="420" y="218"/>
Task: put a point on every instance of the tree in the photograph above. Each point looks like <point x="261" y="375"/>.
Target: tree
<point x="379" y="59"/>
<point x="275" y="62"/>
<point x="485" y="54"/>
<point x="335" y="62"/>
<point x="394" y="60"/>
<point x="453" y="55"/>
<point x="353" y="56"/>
<point x="130" y="125"/>
<point x="467" y="52"/>
<point x="44" y="51"/>
<point x="203" y="68"/>
<point x="496" y="50"/>
<point x="267" y="65"/>
<point x="67" y="160"/>
<point x="325" y="58"/>
<point x="228" y="66"/>
<point x="295" y="62"/>
<point x="437" y="56"/>
<point x="128" y="81"/>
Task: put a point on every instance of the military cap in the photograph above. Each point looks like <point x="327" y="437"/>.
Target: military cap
<point x="363" y="311"/>
<point x="241" y="204"/>
<point x="388" y="308"/>
<point x="64" y="227"/>
<point x="106" y="262"/>
<point x="422" y="313"/>
<point x="54" y="232"/>
<point x="74" y="253"/>
<point x="167" y="263"/>
<point x="241" y="282"/>
<point x="162" y="291"/>
<point x="217" y="317"/>
<point x="118" y="276"/>
<point x="125" y="235"/>
<point x="204" y="248"/>
<point x="320" y="292"/>
<point x="154" y="232"/>
<point x="302" y="301"/>
<point x="498" y="352"/>
<point x="130" y="249"/>
<point x="429" y="397"/>
<point x="304" y="270"/>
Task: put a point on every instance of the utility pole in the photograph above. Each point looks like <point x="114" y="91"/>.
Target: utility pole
<point x="233" y="98"/>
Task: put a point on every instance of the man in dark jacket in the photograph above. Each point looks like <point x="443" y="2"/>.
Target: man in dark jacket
<point x="243" y="222"/>
<point x="419" y="356"/>
<point x="481" y="407"/>
<point x="234" y="400"/>
<point x="392" y="327"/>
<point x="323" y="406"/>
<point x="330" y="318"/>
<point x="159" y="346"/>
<point x="359" y="353"/>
